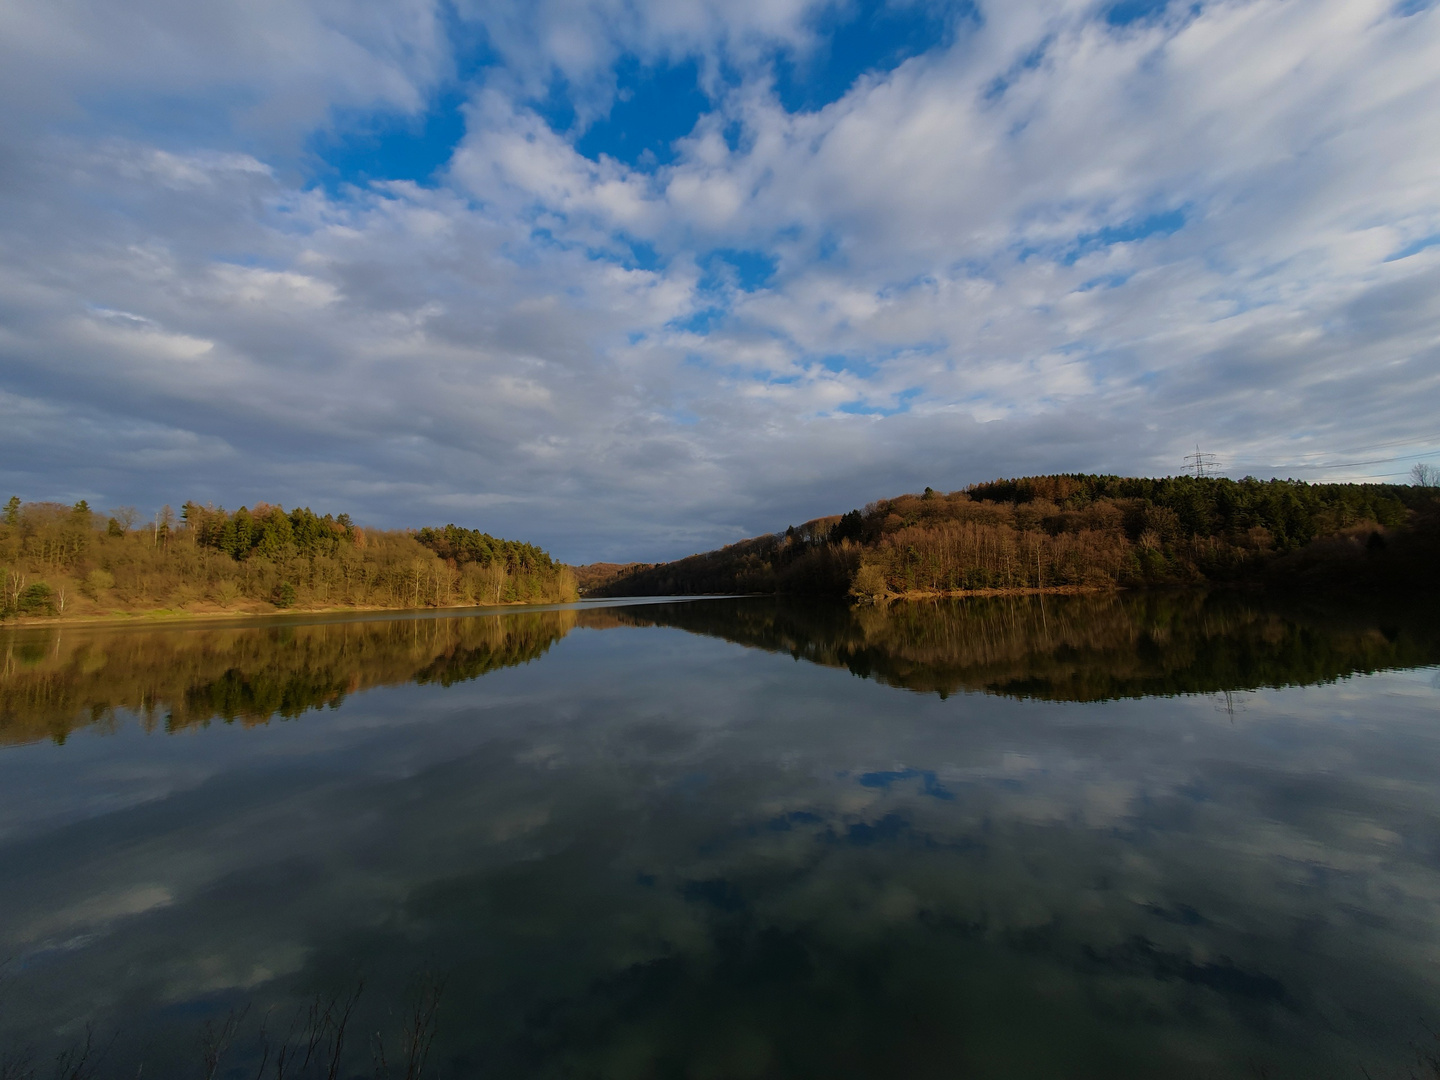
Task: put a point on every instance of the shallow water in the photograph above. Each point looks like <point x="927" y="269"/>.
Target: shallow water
<point x="1161" y="835"/>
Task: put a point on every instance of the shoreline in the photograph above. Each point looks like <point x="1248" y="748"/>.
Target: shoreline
<point x="151" y="616"/>
<point x="163" y="616"/>
<point x="1043" y="590"/>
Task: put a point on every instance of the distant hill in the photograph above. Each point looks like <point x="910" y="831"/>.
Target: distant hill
<point x="595" y="575"/>
<point x="1074" y="532"/>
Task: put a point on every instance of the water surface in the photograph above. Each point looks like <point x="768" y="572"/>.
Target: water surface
<point x="1133" y="835"/>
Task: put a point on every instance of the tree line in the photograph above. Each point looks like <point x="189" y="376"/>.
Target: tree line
<point x="64" y="560"/>
<point x="1071" y="532"/>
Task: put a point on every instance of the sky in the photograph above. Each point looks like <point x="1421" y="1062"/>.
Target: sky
<point x="632" y="280"/>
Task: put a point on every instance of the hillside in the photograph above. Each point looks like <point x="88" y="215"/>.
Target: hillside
<point x="60" y="560"/>
<point x="593" y="576"/>
<point x="1078" y="532"/>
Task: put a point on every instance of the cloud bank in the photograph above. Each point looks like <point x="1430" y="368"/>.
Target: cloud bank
<point x="634" y="280"/>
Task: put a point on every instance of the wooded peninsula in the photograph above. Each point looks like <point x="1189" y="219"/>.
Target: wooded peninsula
<point x="58" y="560"/>
<point x="1073" y="533"/>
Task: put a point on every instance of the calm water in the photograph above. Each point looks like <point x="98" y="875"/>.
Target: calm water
<point x="1125" y="836"/>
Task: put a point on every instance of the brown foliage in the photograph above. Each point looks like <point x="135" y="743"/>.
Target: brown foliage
<point x="1048" y="532"/>
<point x="65" y="560"/>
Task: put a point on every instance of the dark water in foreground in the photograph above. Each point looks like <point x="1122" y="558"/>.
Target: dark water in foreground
<point x="1098" y="837"/>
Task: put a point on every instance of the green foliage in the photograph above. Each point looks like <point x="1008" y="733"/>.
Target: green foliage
<point x="462" y="546"/>
<point x="37" y="599"/>
<point x="98" y="582"/>
<point x="1293" y="511"/>
<point x="284" y="595"/>
<point x="869" y="584"/>
<point x="267" y="531"/>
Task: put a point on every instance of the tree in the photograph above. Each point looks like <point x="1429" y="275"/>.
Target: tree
<point x="12" y="511"/>
<point x="38" y="599"/>
<point x="869" y="584"/>
<point x="851" y="526"/>
<point x="1423" y="475"/>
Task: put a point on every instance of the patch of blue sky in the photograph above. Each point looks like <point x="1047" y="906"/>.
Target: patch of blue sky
<point x="871" y="36"/>
<point x="1415" y="248"/>
<point x="852" y="365"/>
<point x="1405" y="8"/>
<point x="557" y="107"/>
<point x="1165" y="223"/>
<point x="903" y="402"/>
<point x="541" y="236"/>
<point x="734" y="135"/>
<point x="1104" y="281"/>
<point x="630" y="253"/>
<point x="1126" y="12"/>
<point x="653" y="107"/>
<point x="748" y="270"/>
<point x="998" y="85"/>
<point x="699" y="322"/>
<point x="830" y="250"/>
<point x="362" y="147"/>
<point x="1162" y="224"/>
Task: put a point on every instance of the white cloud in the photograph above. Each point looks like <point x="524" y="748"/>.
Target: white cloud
<point x="962" y="240"/>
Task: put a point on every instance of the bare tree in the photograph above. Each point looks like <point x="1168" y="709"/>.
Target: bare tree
<point x="215" y="1040"/>
<point x="1423" y="475"/>
<point x="126" y="516"/>
<point x="82" y="1060"/>
<point x="417" y="1031"/>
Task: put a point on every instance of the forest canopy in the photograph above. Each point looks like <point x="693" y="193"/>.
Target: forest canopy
<point x="63" y="560"/>
<point x="1073" y="532"/>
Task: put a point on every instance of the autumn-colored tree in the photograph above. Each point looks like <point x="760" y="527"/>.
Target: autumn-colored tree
<point x="64" y="560"/>
<point x="1047" y="532"/>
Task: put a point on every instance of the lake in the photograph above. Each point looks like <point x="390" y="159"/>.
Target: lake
<point x="1098" y="836"/>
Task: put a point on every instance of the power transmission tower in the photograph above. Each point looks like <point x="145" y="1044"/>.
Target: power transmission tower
<point x="1203" y="464"/>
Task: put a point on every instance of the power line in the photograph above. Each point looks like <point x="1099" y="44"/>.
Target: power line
<point x="1203" y="464"/>
<point x="1357" y="464"/>
<point x="1382" y="445"/>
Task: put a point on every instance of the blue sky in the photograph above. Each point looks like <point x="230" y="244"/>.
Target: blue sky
<point x="633" y="280"/>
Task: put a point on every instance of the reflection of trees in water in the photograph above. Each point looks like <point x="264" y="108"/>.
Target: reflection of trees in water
<point x="53" y="682"/>
<point x="315" y="1039"/>
<point x="1073" y="648"/>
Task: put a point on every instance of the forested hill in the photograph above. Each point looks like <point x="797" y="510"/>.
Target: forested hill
<point x="69" y="560"/>
<point x="1078" y="531"/>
